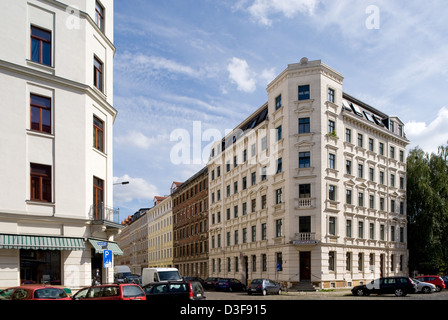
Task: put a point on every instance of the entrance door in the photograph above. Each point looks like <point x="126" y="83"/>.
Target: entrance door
<point x="305" y="266"/>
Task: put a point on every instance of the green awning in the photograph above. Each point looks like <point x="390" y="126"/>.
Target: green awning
<point x="10" y="241"/>
<point x="110" y="246"/>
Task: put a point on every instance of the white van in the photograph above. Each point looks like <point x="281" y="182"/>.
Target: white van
<point x="150" y="275"/>
<point x="121" y="272"/>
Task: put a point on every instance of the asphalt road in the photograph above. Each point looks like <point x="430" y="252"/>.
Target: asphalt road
<point x="333" y="295"/>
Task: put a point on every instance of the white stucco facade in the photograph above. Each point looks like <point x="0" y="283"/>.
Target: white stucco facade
<point x="65" y="147"/>
<point x="309" y="191"/>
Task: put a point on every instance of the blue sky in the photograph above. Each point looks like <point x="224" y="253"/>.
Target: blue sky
<point x="185" y="65"/>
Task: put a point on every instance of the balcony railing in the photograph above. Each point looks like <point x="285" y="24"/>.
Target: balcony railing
<point x="104" y="213"/>
<point x="304" y="238"/>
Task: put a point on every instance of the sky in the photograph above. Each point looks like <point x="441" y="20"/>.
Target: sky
<point x="187" y="71"/>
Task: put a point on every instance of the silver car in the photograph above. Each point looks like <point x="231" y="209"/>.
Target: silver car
<point x="424" y="287"/>
<point x="264" y="286"/>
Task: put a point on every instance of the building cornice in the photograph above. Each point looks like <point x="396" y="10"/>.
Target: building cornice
<point x="54" y="80"/>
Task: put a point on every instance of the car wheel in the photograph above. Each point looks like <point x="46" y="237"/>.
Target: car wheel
<point x="265" y="292"/>
<point x="399" y="293"/>
<point x="426" y="290"/>
<point x="438" y="289"/>
<point x="249" y="293"/>
<point x="360" y="292"/>
<point x="230" y="289"/>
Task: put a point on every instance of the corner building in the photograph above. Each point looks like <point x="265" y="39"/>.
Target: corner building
<point x="56" y="84"/>
<point x="310" y="189"/>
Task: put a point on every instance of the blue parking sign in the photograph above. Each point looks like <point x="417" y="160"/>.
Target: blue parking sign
<point x="107" y="258"/>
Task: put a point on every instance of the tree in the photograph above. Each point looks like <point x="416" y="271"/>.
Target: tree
<point x="427" y="210"/>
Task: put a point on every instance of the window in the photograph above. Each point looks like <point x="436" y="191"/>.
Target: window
<point x="392" y="152"/>
<point x="360" y="261"/>
<point x="348" y="196"/>
<point x="331" y="126"/>
<point x="279" y="133"/>
<point x="361" y="230"/>
<point x="381" y="148"/>
<point x="98" y="134"/>
<point x="370" y="144"/>
<point x="263" y="143"/>
<point x="99" y="16"/>
<point x="331" y="260"/>
<point x="372" y="231"/>
<point x="253" y="178"/>
<point x="304" y="125"/>
<point x="278" y="196"/>
<point x="279" y="165"/>
<point x="304" y="92"/>
<point x="278" y="102"/>
<point x="360" y="138"/>
<point x="254" y="233"/>
<point x="98" y="197"/>
<point x="371" y="174"/>
<point x="279" y="261"/>
<point x="40" y="113"/>
<point x="98" y="74"/>
<point x="332" y="226"/>
<point x="40" y="46"/>
<point x="40" y="182"/>
<point x="278" y="228"/>
<point x="263" y="174"/>
<point x="305" y="224"/>
<point x="348" y="135"/>
<point x="264" y="262"/>
<point x="348" y="261"/>
<point x="304" y="160"/>
<point x="332" y="193"/>
<point x="263" y="231"/>
<point x="361" y="199"/>
<point x="332" y="161"/>
<point x="360" y="171"/>
<point x="348" y="167"/>
<point x="263" y="201"/>
<point x="348" y="228"/>
<point x="331" y="95"/>
<point x="304" y="191"/>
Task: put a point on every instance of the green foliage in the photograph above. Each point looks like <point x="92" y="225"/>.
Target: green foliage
<point x="427" y="210"/>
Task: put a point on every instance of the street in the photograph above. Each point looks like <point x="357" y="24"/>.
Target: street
<point x="332" y="295"/>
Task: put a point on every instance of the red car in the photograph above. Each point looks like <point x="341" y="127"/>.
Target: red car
<point x="435" y="280"/>
<point x="125" y="291"/>
<point x="34" y="292"/>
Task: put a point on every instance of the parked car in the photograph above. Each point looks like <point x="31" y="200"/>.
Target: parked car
<point x="133" y="279"/>
<point x="400" y="286"/>
<point x="198" y="279"/>
<point x="435" y="280"/>
<point x="210" y="283"/>
<point x="174" y="291"/>
<point x="424" y="287"/>
<point x="34" y="292"/>
<point x="264" y="286"/>
<point x="229" y="284"/>
<point x="124" y="291"/>
<point x="445" y="279"/>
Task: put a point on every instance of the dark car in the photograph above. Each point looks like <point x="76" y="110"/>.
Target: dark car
<point x="264" y="286"/>
<point x="445" y="279"/>
<point x="34" y="292"/>
<point x="229" y="284"/>
<point x="125" y="291"/>
<point x="210" y="283"/>
<point x="198" y="279"/>
<point x="400" y="286"/>
<point x="174" y="291"/>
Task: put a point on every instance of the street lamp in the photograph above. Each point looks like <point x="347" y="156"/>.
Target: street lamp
<point x="124" y="182"/>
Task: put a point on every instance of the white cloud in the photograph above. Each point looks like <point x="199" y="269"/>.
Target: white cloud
<point x="261" y="9"/>
<point x="137" y="189"/>
<point x="429" y="137"/>
<point x="240" y="73"/>
<point x="138" y="139"/>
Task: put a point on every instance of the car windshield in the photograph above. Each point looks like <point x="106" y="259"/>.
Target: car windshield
<point x="168" y="275"/>
<point x="132" y="291"/>
<point x="49" y="293"/>
<point x="257" y="281"/>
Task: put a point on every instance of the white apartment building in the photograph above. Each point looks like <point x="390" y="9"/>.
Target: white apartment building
<point x="309" y="189"/>
<point x="56" y="84"/>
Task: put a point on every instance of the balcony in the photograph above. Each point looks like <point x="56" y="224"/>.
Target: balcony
<point x="304" y="238"/>
<point x="104" y="215"/>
